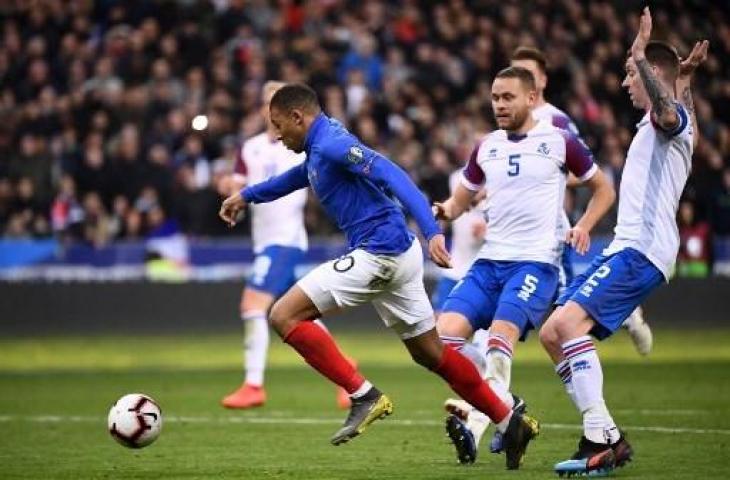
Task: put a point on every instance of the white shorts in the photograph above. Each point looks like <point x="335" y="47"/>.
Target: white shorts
<point x="393" y="283"/>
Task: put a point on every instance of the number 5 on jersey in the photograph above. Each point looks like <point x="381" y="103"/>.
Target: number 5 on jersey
<point x="514" y="165"/>
<point x="528" y="288"/>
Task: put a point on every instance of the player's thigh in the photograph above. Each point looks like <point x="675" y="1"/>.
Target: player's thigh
<point x="527" y="295"/>
<point x="615" y="288"/>
<point x="348" y="281"/>
<point x="475" y="297"/>
<point x="402" y="302"/>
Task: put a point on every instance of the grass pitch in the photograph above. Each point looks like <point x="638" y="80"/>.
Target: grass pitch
<point x="55" y="394"/>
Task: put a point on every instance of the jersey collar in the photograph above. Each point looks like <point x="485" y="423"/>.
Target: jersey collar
<point x="320" y="121"/>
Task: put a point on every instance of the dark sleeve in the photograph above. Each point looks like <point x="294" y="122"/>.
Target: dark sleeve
<point x="473" y="174"/>
<point x="240" y="167"/>
<point x="578" y="157"/>
<point x="276" y="187"/>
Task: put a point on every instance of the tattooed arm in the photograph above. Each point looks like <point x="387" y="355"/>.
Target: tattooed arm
<point x="663" y="110"/>
<point x="687" y="68"/>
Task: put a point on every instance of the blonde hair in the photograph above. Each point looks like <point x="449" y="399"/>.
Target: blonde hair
<point x="269" y="89"/>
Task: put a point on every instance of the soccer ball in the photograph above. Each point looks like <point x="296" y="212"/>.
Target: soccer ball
<point x="135" y="420"/>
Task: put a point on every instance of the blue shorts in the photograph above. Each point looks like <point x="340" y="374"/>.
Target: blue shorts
<point x="273" y="269"/>
<point x="518" y="292"/>
<point x="612" y="287"/>
<point x="567" y="273"/>
<point x="441" y="291"/>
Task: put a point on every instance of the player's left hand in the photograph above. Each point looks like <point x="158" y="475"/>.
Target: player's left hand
<point x="697" y="57"/>
<point x="437" y="251"/>
<point x="579" y="239"/>
<point x="642" y="37"/>
<point x="231" y="207"/>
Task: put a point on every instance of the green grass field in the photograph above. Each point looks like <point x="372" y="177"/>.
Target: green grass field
<point x="55" y="394"/>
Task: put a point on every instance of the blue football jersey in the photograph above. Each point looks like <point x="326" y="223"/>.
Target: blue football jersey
<point x="356" y="186"/>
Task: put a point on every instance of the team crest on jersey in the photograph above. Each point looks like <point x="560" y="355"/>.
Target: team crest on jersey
<point x="544" y="149"/>
<point x="355" y="154"/>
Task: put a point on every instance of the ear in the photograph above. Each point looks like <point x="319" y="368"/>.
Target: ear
<point x="297" y="115"/>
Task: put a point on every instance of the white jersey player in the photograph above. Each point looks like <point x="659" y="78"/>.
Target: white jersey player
<point x="279" y="243"/>
<point x="511" y="286"/>
<point x="641" y="255"/>
<point x="534" y="60"/>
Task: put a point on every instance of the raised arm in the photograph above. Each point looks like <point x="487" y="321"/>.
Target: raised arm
<point x="663" y="110"/>
<point x="687" y="68"/>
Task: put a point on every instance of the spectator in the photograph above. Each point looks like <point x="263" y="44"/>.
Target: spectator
<point x="104" y="98"/>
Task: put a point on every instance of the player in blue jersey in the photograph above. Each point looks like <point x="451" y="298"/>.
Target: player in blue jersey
<point x="356" y="186"/>
<point x="645" y="245"/>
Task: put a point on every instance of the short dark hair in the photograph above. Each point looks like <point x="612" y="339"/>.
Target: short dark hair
<point x="295" y="95"/>
<point x="530" y="53"/>
<point x="664" y="56"/>
<point x="523" y="74"/>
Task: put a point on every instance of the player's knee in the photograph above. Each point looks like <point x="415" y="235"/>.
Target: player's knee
<point x="453" y="324"/>
<point x="280" y="318"/>
<point x="549" y="336"/>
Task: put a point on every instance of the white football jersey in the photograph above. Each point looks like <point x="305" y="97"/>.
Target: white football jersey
<point x="464" y="245"/>
<point x="525" y="177"/>
<point x="548" y="111"/>
<point x="280" y="222"/>
<point x="657" y="166"/>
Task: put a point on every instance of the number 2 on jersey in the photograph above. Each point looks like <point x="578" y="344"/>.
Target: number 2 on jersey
<point x="514" y="165"/>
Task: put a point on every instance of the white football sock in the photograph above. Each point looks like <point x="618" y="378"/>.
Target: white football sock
<point x="587" y="380"/>
<point x="255" y="346"/>
<point x="362" y="390"/>
<point x="499" y="366"/>
<point x="563" y="371"/>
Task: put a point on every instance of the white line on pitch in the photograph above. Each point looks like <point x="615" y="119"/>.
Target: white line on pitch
<point x="330" y="421"/>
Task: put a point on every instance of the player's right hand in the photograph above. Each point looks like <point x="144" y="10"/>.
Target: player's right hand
<point x="437" y="251"/>
<point x="579" y="239"/>
<point x="231" y="207"/>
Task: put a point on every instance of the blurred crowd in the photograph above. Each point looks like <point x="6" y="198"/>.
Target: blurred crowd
<point x="97" y="99"/>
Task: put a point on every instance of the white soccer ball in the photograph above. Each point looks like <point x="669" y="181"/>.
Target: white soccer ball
<point x="135" y="420"/>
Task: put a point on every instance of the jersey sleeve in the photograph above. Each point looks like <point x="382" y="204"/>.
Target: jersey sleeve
<point x="276" y="187"/>
<point x="240" y="170"/>
<point x="565" y="122"/>
<point x="578" y="157"/>
<point x="683" y="121"/>
<point x="473" y="177"/>
<point x="363" y="161"/>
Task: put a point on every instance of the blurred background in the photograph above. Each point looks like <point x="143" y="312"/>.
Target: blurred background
<point x="119" y="120"/>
